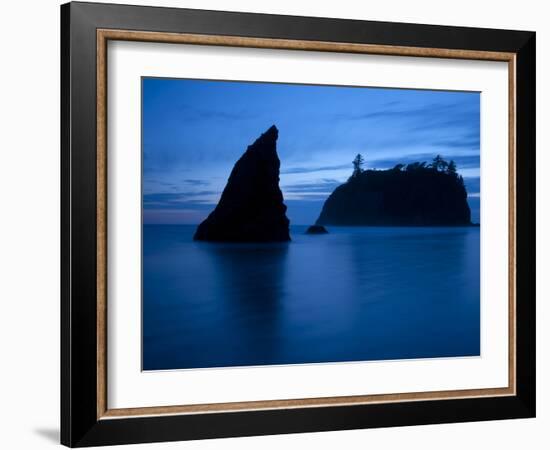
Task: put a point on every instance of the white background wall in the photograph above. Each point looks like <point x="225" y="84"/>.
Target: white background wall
<point x="29" y="224"/>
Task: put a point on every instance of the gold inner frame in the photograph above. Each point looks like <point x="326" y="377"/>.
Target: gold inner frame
<point x="104" y="35"/>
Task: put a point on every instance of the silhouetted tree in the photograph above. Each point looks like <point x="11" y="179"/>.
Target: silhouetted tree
<point x="451" y="168"/>
<point x="358" y="163"/>
<point x="439" y="164"/>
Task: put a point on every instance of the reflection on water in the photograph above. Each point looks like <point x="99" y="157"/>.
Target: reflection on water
<point x="251" y="290"/>
<point x="354" y="294"/>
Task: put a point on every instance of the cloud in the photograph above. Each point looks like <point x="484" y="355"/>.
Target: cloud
<point x="445" y="113"/>
<point x="196" y="182"/>
<point x="179" y="200"/>
<point x="174" y="216"/>
<point x="468" y="140"/>
<point x="310" y="191"/>
<point x="447" y="125"/>
<point x="327" y="184"/>
<point x="295" y="170"/>
<point x="190" y="113"/>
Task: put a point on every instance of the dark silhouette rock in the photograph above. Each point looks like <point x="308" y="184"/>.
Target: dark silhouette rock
<point x="413" y="195"/>
<point x="316" y="229"/>
<point x="251" y="207"/>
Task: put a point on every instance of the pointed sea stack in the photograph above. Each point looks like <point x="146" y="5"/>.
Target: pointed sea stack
<point x="251" y="207"/>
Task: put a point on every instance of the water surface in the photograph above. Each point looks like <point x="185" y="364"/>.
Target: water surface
<point x="351" y="295"/>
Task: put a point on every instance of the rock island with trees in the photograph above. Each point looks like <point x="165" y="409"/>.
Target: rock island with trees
<point x="417" y="194"/>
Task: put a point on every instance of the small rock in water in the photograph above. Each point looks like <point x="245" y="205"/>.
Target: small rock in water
<point x="316" y="229"/>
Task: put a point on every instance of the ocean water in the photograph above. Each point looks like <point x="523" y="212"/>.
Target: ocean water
<point x="354" y="294"/>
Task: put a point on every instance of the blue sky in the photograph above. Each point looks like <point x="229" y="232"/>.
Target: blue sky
<point x="195" y="130"/>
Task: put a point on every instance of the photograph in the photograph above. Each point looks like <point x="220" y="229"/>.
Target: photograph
<point x="304" y="224"/>
<point x="282" y="221"/>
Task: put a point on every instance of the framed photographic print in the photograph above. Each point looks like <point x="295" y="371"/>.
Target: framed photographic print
<point x="276" y="224"/>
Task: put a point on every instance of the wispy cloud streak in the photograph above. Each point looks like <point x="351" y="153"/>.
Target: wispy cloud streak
<point x="296" y="170"/>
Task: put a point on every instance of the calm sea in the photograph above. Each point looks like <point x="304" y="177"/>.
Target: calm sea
<point x="353" y="294"/>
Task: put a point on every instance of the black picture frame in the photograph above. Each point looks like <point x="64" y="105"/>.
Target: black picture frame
<point x="80" y="425"/>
